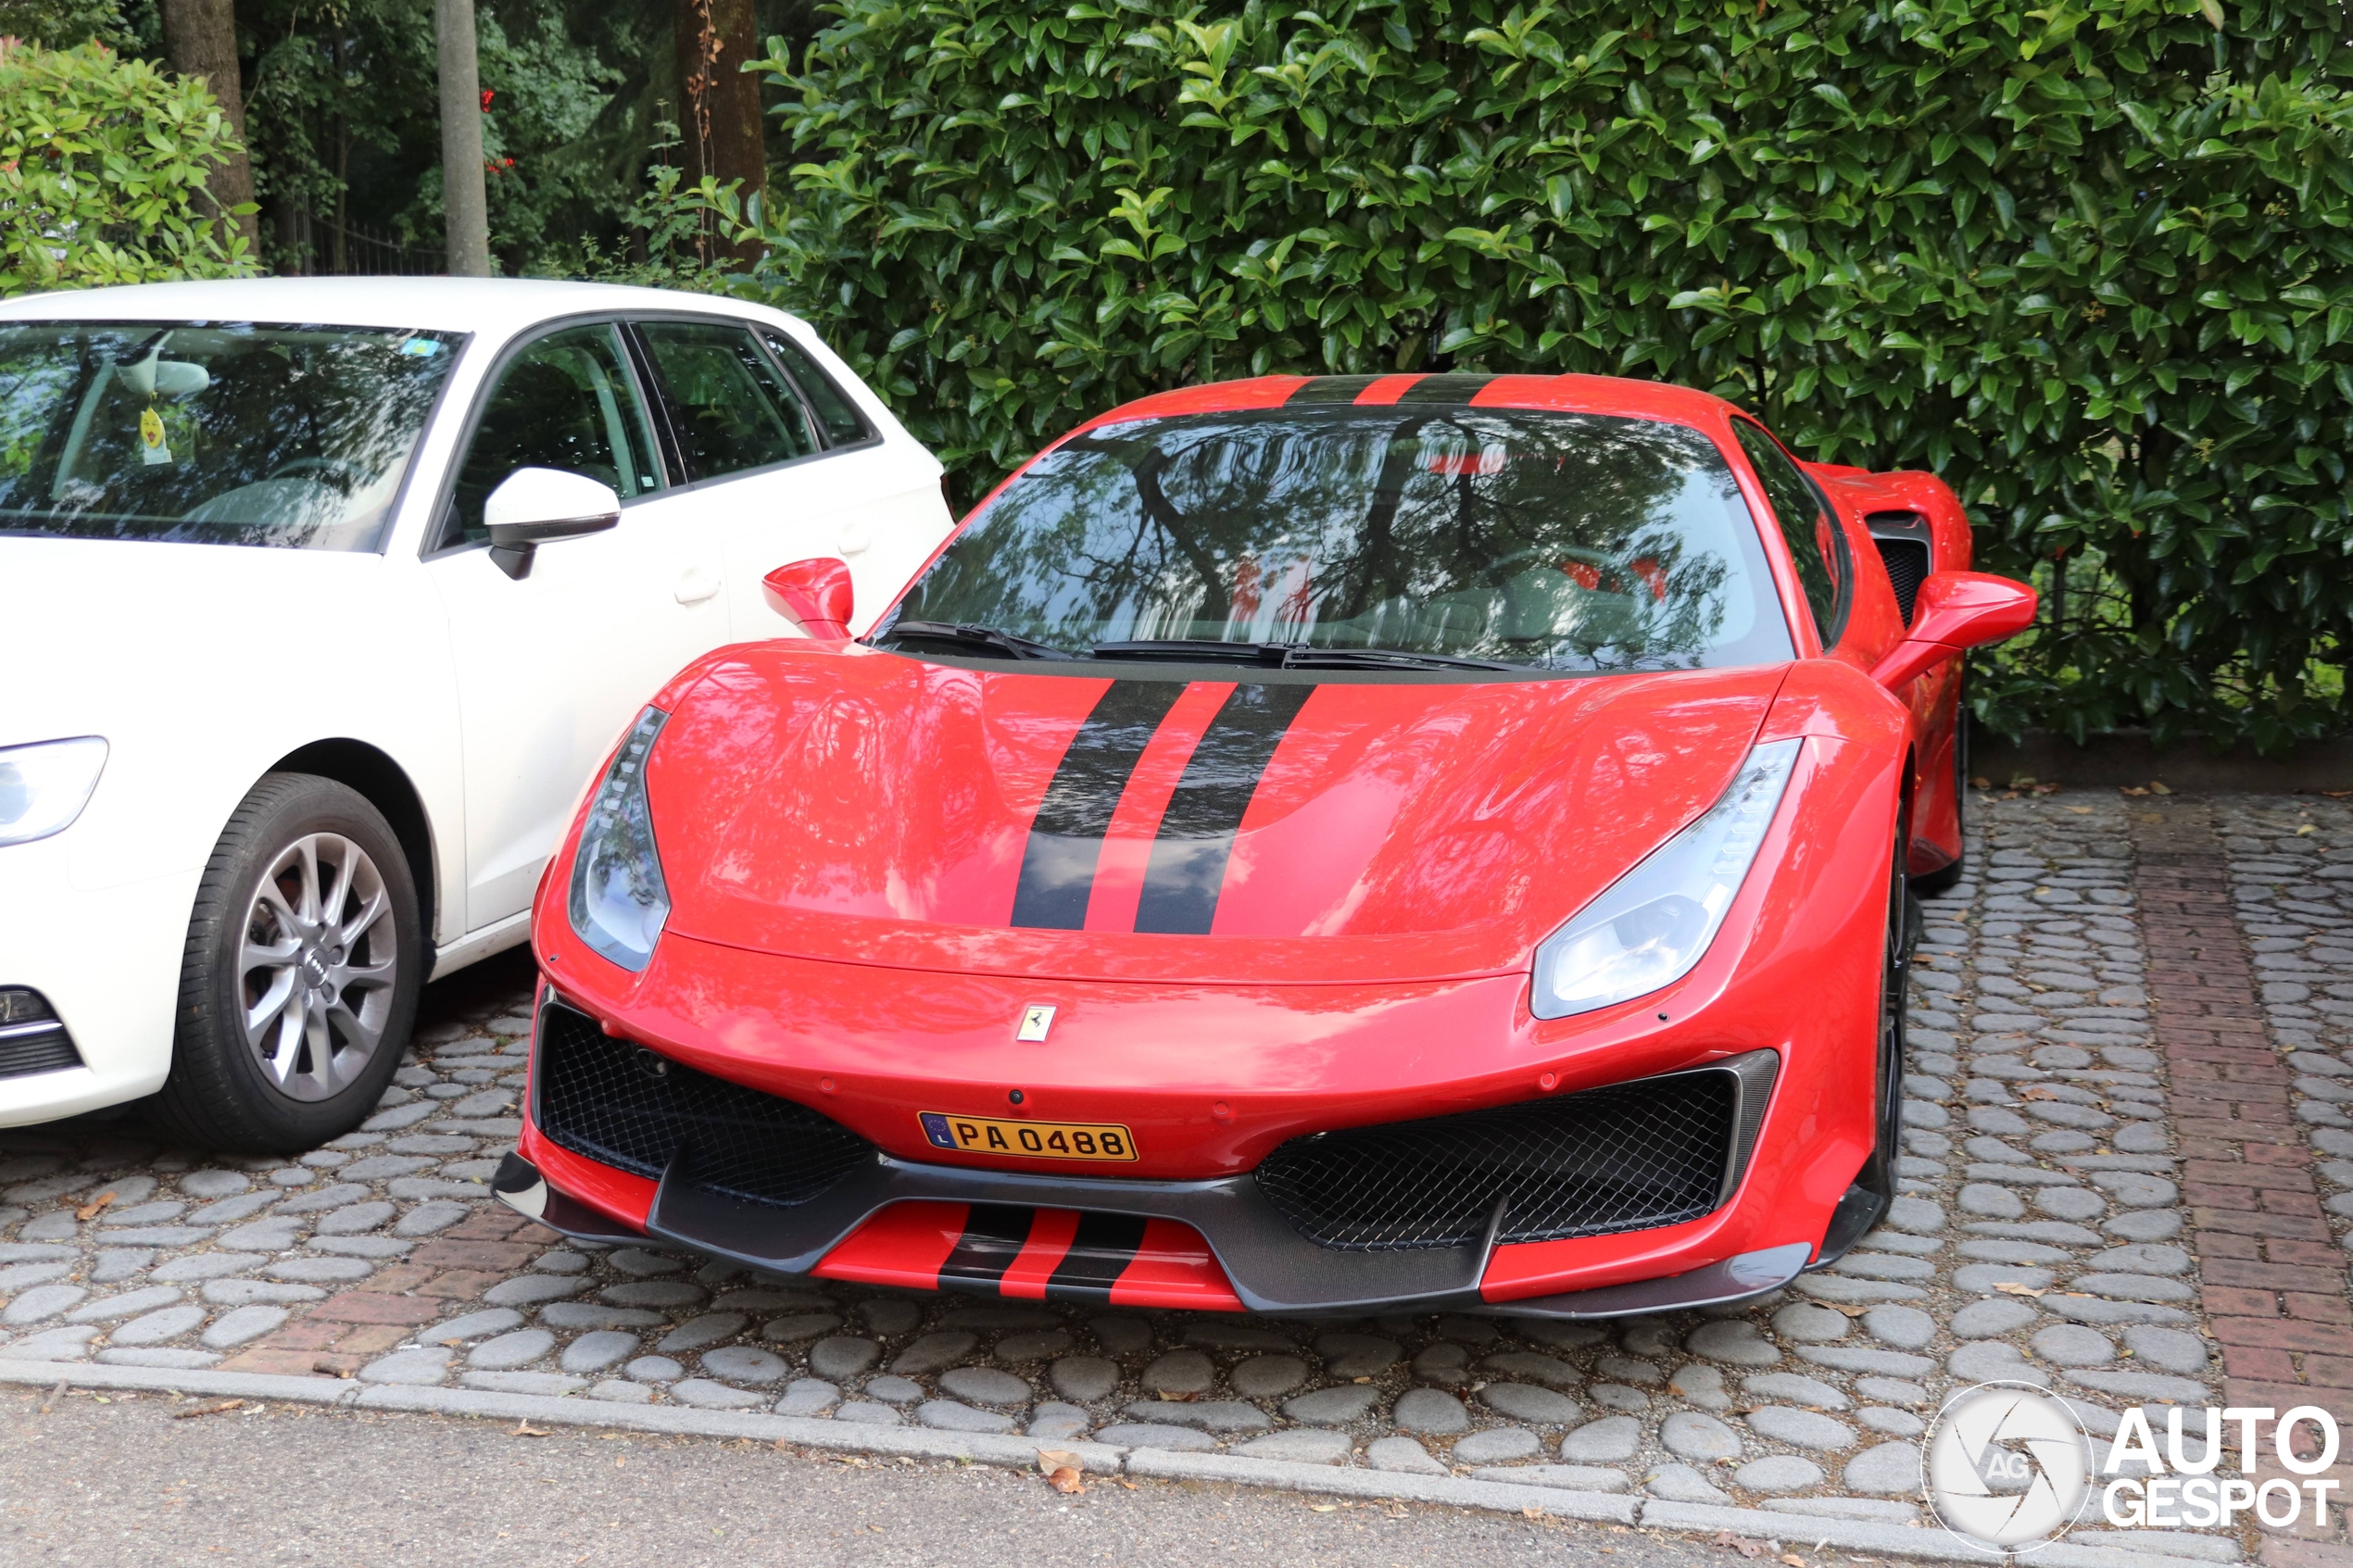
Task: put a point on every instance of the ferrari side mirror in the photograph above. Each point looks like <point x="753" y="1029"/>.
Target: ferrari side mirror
<point x="815" y="595"/>
<point x="1955" y="611"/>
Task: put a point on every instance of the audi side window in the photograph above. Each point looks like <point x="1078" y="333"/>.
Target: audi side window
<point x="836" y="414"/>
<point x="729" y="408"/>
<point x="1825" y="565"/>
<point x="569" y="402"/>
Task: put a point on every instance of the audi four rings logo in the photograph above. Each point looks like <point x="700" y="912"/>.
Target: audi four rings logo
<point x="2008" y="1468"/>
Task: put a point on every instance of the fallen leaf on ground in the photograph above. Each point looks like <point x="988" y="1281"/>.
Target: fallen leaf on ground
<point x="1980" y="784"/>
<point x="2338" y="793"/>
<point x="213" y="1407"/>
<point x="1323" y="1508"/>
<point x="2078" y="810"/>
<point x="2157" y="788"/>
<point x="2036" y="1091"/>
<point x="1791" y="1558"/>
<point x="1740" y="1544"/>
<point x="2149" y="816"/>
<point x="2307" y="828"/>
<point x="58" y="1393"/>
<point x="1127" y="1482"/>
<point x="1851" y="1309"/>
<point x="524" y="1429"/>
<point x="1531" y="1514"/>
<point x="2011" y="1288"/>
<point x="2132" y="789"/>
<point x="2046" y="789"/>
<point x="89" y="1210"/>
<point x="1061" y="1469"/>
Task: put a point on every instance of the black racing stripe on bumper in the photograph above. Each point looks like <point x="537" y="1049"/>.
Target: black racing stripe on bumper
<point x="1197" y="833"/>
<point x="1066" y="838"/>
<point x="1329" y="389"/>
<point x="994" y="1235"/>
<point x="1098" y="1254"/>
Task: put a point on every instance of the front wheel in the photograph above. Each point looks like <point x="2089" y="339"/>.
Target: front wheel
<point x="1874" y="1185"/>
<point x="299" y="981"/>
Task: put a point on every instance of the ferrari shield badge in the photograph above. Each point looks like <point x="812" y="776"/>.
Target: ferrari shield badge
<point x="1035" y="1021"/>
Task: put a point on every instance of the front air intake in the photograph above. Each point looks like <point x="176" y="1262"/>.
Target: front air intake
<point x="1636" y="1155"/>
<point x="32" y="1038"/>
<point x="623" y="1105"/>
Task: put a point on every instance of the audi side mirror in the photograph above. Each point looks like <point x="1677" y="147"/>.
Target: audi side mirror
<point x="815" y="595"/>
<point x="532" y="507"/>
<point x="1955" y="611"/>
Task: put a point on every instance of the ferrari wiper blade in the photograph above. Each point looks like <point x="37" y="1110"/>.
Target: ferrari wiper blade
<point x="995" y="639"/>
<point x="1300" y="655"/>
<point x="1292" y="656"/>
<point x="1194" y="649"/>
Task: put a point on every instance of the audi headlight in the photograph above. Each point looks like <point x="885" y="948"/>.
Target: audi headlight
<point x="1653" y="922"/>
<point x="43" y="787"/>
<point x="619" y="900"/>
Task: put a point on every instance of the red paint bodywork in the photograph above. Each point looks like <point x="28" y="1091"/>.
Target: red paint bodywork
<point x="841" y="831"/>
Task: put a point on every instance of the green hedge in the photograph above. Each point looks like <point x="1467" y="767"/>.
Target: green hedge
<point x="2089" y="261"/>
<point x="102" y="162"/>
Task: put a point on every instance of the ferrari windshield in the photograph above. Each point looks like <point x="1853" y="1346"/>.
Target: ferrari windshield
<point x="1552" y="541"/>
<point x="210" y="432"/>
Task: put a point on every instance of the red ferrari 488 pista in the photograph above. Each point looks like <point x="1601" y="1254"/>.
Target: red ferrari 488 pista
<point x="1306" y="846"/>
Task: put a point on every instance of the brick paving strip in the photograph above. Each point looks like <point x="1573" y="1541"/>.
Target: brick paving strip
<point x="2274" y="1275"/>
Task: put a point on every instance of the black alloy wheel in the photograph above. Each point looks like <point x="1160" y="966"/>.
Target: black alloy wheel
<point x="1874" y="1188"/>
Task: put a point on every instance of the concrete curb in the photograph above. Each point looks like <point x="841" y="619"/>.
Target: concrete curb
<point x="1099" y="1459"/>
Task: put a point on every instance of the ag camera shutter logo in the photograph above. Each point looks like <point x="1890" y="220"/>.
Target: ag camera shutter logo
<point x="2007" y="1467"/>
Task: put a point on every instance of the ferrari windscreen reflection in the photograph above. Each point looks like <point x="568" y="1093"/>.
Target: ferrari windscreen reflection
<point x="1551" y="541"/>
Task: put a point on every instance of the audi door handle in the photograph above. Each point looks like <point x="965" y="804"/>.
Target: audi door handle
<point x="696" y="584"/>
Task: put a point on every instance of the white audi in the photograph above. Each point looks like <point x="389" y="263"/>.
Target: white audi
<point x="319" y="599"/>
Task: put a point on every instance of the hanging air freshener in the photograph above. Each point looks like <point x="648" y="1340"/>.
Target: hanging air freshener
<point x="153" y="447"/>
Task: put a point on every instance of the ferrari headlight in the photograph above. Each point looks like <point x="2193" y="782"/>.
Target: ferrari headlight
<point x="619" y="900"/>
<point x="1653" y="922"/>
<point x="43" y="787"/>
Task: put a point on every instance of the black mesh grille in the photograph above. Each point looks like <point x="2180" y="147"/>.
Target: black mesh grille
<point x="623" y="1105"/>
<point x="1628" y="1157"/>
<point x="1906" y="570"/>
<point x="31" y="1039"/>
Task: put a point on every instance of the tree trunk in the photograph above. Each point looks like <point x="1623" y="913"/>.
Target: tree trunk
<point x="719" y="120"/>
<point x="200" y="37"/>
<point x="465" y="206"/>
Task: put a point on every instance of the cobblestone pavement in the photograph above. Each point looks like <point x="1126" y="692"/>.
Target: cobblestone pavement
<point x="2119" y="1198"/>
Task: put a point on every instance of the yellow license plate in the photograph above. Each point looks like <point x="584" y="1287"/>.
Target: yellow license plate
<point x="1032" y="1140"/>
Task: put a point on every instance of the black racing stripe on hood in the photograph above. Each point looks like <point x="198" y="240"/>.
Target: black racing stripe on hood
<point x="1197" y="833"/>
<point x="1098" y="1254"/>
<point x="994" y="1235"/>
<point x="1329" y="389"/>
<point x="1066" y="838"/>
